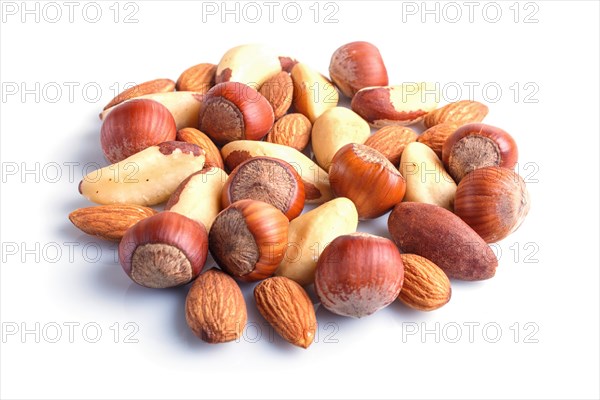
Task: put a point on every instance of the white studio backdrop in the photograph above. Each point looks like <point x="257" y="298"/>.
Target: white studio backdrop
<point x="74" y="326"/>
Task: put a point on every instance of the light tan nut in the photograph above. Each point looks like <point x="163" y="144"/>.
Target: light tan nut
<point x="215" y="309"/>
<point x="334" y="129"/>
<point x="426" y="179"/>
<point x="185" y="107"/>
<point x="404" y="104"/>
<point x="391" y="141"/>
<point x="198" y="197"/>
<point x="199" y="78"/>
<point x="146" y="178"/>
<point x="288" y="309"/>
<point x="291" y="130"/>
<point x="316" y="180"/>
<point x="426" y="287"/>
<point x="279" y="92"/>
<point x="459" y="113"/>
<point x="313" y="93"/>
<point x="110" y="221"/>
<point x="436" y="136"/>
<point x="250" y="64"/>
<point x="213" y="154"/>
<point x="310" y="233"/>
<point x="150" y="87"/>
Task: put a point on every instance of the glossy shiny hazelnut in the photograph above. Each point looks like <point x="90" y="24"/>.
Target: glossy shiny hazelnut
<point x="493" y="201"/>
<point x="234" y="111"/>
<point x="164" y="250"/>
<point x="367" y="178"/>
<point x="357" y="65"/>
<point x="134" y="126"/>
<point x="359" y="274"/>
<point x="475" y="146"/>
<point x="248" y="239"/>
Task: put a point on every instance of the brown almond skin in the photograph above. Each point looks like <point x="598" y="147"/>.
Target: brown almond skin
<point x="292" y="130"/>
<point x="279" y="91"/>
<point x="436" y="136"/>
<point x="391" y="141"/>
<point x="215" y="309"/>
<point x="213" y="154"/>
<point x="199" y="78"/>
<point x="288" y="309"/>
<point x="109" y="222"/>
<point x="459" y="113"/>
<point x="440" y="236"/>
<point x="150" y="87"/>
<point x="426" y="287"/>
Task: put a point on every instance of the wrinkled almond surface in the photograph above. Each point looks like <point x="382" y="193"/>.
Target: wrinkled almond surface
<point x="150" y="87"/>
<point x="291" y="130"/>
<point x="279" y="91"/>
<point x="460" y="113"/>
<point x="436" y="136"/>
<point x="199" y="78"/>
<point x="109" y="221"/>
<point x="391" y="141"/>
<point x="426" y="287"/>
<point x="289" y="310"/>
<point x="213" y="154"/>
<point x="215" y="309"/>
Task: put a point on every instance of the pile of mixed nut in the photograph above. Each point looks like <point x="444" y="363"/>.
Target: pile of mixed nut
<point x="226" y="148"/>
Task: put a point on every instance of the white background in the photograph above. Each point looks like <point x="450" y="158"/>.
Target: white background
<point x="546" y="287"/>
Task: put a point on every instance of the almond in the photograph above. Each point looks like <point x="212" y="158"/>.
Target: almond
<point x="436" y="136"/>
<point x="292" y="130"/>
<point x="279" y="91"/>
<point x="199" y="78"/>
<point x="215" y="309"/>
<point x="426" y="287"/>
<point x="440" y="236"/>
<point x="150" y="87"/>
<point x="193" y="135"/>
<point x="460" y="113"/>
<point x="391" y="141"/>
<point x="110" y="221"/>
<point x="288" y="309"/>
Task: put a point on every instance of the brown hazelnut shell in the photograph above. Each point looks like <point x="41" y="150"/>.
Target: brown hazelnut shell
<point x="248" y="239"/>
<point x="235" y="111"/>
<point x="171" y="230"/>
<point x="493" y="201"/>
<point x="482" y="146"/>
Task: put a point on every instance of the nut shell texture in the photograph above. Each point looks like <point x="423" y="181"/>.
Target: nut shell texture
<point x="215" y="309"/>
<point x="493" y="201"/>
<point x="358" y="274"/>
<point x="164" y="250"/>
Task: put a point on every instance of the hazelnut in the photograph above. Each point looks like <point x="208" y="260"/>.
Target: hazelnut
<point x="493" y="201"/>
<point x="164" y="250"/>
<point x="248" y="239"/>
<point x="234" y="111"/>
<point x="357" y="65"/>
<point x="359" y="274"/>
<point x="134" y="126"/>
<point x="367" y="178"/>
<point x="266" y="179"/>
<point x="476" y="146"/>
